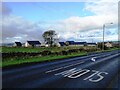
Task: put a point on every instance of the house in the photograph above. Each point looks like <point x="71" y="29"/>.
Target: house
<point x="59" y="44"/>
<point x="32" y="44"/>
<point x="72" y="43"/>
<point x="17" y="44"/>
<point x="80" y="43"/>
<point x="91" y="44"/>
<point x="108" y="44"/>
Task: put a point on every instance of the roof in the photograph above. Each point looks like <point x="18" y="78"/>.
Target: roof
<point x="62" y="43"/>
<point x="70" y="42"/>
<point x="18" y="43"/>
<point x="80" y="42"/>
<point x="33" y="42"/>
<point x="75" y="43"/>
<point x="92" y="43"/>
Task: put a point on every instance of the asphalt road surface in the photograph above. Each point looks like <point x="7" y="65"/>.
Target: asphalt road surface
<point x="99" y="70"/>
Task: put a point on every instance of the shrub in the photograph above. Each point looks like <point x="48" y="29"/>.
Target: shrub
<point x="64" y="52"/>
<point x="45" y="53"/>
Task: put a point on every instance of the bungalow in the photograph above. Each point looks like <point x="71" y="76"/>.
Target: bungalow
<point x="72" y="43"/>
<point x="17" y="44"/>
<point x="91" y="44"/>
<point x="32" y="44"/>
<point x="80" y="43"/>
<point x="69" y="43"/>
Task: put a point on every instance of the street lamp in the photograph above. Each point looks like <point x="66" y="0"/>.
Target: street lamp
<point x="104" y="31"/>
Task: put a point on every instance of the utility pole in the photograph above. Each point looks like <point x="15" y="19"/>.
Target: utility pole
<point x="104" y="35"/>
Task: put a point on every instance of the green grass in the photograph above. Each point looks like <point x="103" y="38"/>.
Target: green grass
<point x="39" y="59"/>
<point x="113" y="49"/>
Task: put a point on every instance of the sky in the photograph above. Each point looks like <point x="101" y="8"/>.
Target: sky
<point x="78" y="21"/>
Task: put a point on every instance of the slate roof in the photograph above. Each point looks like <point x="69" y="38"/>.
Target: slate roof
<point x="33" y="42"/>
<point x="80" y="43"/>
<point x="71" y="42"/>
<point x="62" y="43"/>
<point x="91" y="43"/>
<point x="18" y="43"/>
<point x="76" y="43"/>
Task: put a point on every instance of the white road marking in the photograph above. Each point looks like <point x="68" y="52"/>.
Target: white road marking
<point x="93" y="59"/>
<point x="100" y="77"/>
<point x="53" y="70"/>
<point x="96" y="72"/>
<point x="67" y="72"/>
<point x="64" y="67"/>
<point x="78" y="72"/>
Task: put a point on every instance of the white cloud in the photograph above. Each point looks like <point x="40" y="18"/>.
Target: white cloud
<point x="104" y="12"/>
<point x="16" y="28"/>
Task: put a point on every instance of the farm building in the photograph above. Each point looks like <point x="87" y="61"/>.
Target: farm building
<point x="32" y="44"/>
<point x="17" y="44"/>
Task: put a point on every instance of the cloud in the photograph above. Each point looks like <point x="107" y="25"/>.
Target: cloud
<point x="18" y="29"/>
<point x="87" y="28"/>
<point x="104" y="13"/>
<point x="103" y="7"/>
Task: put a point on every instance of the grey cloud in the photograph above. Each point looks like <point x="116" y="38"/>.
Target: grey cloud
<point x="15" y="27"/>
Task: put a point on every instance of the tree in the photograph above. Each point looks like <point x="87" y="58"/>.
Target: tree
<point x="50" y="37"/>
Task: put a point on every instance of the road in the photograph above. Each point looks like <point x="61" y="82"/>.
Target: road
<point x="99" y="70"/>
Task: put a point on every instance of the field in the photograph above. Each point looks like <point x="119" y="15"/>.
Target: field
<point x="18" y="60"/>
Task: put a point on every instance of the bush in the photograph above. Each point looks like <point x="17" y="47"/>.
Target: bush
<point x="45" y="53"/>
<point x="64" y="52"/>
<point x="18" y="54"/>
